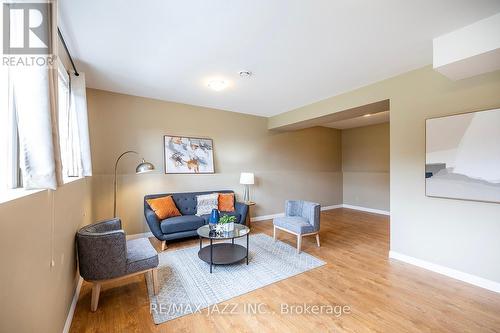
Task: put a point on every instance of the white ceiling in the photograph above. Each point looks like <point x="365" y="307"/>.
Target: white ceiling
<point x="373" y="119"/>
<point x="299" y="51"/>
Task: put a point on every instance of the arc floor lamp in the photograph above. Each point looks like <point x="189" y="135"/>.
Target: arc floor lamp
<point x="142" y="167"/>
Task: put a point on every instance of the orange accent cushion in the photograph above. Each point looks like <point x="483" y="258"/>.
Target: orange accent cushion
<point x="226" y="202"/>
<point x="164" y="207"/>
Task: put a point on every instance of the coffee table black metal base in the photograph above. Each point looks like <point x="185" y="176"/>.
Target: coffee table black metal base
<point x="222" y="253"/>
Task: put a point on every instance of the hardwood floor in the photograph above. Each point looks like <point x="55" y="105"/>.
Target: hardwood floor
<point x="383" y="295"/>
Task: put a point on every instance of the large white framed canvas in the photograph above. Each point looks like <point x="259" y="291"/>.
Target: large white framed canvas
<point x="462" y="159"/>
<point x="188" y="155"/>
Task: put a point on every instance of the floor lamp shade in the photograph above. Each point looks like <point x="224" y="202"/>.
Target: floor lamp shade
<point x="247" y="178"/>
<point x="144" y="167"/>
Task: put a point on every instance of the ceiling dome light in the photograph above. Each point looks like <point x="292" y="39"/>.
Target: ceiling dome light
<point x="245" y="73"/>
<point x="217" y="85"/>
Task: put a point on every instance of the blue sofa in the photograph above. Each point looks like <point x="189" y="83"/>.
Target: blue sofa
<point x="187" y="224"/>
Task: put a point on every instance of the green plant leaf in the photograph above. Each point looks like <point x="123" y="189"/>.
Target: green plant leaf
<point x="227" y="219"/>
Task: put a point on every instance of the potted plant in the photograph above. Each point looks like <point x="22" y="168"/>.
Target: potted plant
<point x="227" y="222"/>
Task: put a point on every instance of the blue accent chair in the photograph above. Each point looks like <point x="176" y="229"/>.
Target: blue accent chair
<point x="186" y="225"/>
<point x="302" y="218"/>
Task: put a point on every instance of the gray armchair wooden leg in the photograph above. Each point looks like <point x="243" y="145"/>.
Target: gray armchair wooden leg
<point x="96" y="290"/>
<point x="163" y="245"/>
<point x="317" y="239"/>
<point x="156" y="286"/>
<point x="299" y="243"/>
<point x="274" y="232"/>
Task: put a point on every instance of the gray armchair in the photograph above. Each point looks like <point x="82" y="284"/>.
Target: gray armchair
<point x="104" y="254"/>
<point x="302" y="218"/>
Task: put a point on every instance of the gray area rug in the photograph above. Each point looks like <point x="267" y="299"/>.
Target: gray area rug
<point x="186" y="285"/>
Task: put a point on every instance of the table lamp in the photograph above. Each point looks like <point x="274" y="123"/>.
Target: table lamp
<point x="247" y="178"/>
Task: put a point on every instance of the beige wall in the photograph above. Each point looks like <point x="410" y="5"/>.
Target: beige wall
<point x="462" y="235"/>
<point x="365" y="166"/>
<point x="35" y="230"/>
<point x="303" y="164"/>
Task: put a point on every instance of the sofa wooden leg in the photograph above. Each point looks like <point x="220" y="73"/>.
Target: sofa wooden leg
<point x="274" y="233"/>
<point x="163" y="245"/>
<point x="156" y="287"/>
<point x="317" y="240"/>
<point x="96" y="290"/>
<point x="299" y="243"/>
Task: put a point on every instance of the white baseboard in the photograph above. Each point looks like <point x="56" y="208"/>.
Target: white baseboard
<point x="266" y="217"/>
<point x="369" y="210"/>
<point x="272" y="216"/>
<point x="450" y="272"/>
<point x="331" y="207"/>
<point x="69" y="318"/>
<point x="142" y="235"/>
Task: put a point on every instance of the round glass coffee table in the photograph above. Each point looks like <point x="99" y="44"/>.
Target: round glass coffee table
<point x="223" y="253"/>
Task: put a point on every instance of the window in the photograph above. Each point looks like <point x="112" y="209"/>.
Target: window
<point x="26" y="120"/>
<point x="10" y="171"/>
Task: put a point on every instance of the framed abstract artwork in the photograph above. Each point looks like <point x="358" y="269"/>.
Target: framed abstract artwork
<point x="188" y="155"/>
<point x="462" y="156"/>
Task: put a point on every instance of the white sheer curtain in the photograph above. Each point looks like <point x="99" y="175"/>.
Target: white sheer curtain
<point x="69" y="140"/>
<point x="33" y="97"/>
<point x="73" y="125"/>
<point x="78" y="105"/>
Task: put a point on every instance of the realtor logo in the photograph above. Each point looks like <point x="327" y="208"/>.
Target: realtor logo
<point x="28" y="28"/>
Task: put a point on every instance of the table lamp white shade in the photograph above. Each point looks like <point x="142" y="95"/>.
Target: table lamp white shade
<point x="246" y="178"/>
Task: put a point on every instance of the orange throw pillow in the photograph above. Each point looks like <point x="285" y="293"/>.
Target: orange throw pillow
<point x="164" y="207"/>
<point x="226" y="202"/>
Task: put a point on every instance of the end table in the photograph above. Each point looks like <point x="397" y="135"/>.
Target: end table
<point x="249" y="204"/>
